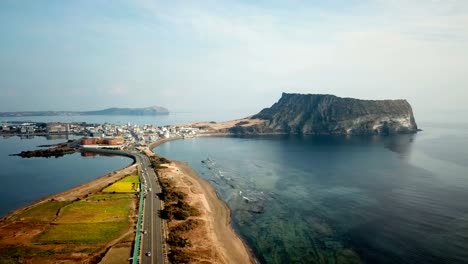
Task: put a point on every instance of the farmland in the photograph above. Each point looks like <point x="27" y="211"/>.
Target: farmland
<point x="43" y="213"/>
<point x="96" y="219"/>
<point x="129" y="184"/>
<point x="82" y="233"/>
<point x="114" y="210"/>
<point x="78" y="226"/>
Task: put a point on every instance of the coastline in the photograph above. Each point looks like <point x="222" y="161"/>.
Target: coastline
<point x="21" y="233"/>
<point x="225" y="244"/>
<point x="79" y="190"/>
<point x="229" y="247"/>
<point x="227" y="236"/>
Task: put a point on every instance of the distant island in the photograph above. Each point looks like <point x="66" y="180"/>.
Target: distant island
<point x="153" y="110"/>
<point x="323" y="114"/>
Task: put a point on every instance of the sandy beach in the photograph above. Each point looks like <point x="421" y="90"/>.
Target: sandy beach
<point x="218" y="242"/>
<point x="223" y="127"/>
<point x="214" y="241"/>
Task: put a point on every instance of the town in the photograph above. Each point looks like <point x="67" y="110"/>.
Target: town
<point x="109" y="136"/>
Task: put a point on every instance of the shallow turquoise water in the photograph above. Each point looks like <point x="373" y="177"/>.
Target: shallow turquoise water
<point x="326" y="199"/>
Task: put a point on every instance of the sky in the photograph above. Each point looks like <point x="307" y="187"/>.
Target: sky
<point x="231" y="55"/>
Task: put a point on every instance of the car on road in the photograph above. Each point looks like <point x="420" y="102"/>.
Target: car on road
<point x="148" y="254"/>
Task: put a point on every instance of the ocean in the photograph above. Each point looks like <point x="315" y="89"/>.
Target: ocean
<point x="342" y="199"/>
<point x="25" y="180"/>
<point x="158" y="120"/>
<point x="298" y="199"/>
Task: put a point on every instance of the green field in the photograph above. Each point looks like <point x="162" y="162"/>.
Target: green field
<point x="129" y="184"/>
<point x="82" y="233"/>
<point x="110" y="196"/>
<point x="97" y="219"/>
<point x="43" y="213"/>
<point x="111" y="210"/>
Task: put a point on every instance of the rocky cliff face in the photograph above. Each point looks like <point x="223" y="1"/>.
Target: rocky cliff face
<point x="329" y="114"/>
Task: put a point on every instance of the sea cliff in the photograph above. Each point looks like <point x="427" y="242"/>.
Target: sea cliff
<point x="329" y="114"/>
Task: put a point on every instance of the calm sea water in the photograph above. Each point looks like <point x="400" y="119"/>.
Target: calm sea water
<point x="159" y="120"/>
<point x="24" y="180"/>
<point x="326" y="199"/>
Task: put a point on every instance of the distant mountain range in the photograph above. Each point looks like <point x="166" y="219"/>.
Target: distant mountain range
<point x="153" y="110"/>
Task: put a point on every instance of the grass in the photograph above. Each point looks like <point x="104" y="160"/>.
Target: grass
<point x="98" y="219"/>
<point x="117" y="256"/>
<point x="109" y="196"/>
<point x="112" y="210"/>
<point x="43" y="213"/>
<point x="129" y="184"/>
<point x="15" y="254"/>
<point x="82" y="233"/>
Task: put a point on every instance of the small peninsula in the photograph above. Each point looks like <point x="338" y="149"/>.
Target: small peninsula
<point x="329" y="114"/>
<point x="153" y="110"/>
<point x="323" y="114"/>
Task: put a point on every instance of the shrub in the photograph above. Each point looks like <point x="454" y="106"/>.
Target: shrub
<point x="166" y="213"/>
<point x="181" y="214"/>
<point x="177" y="256"/>
<point x="176" y="240"/>
<point x="186" y="226"/>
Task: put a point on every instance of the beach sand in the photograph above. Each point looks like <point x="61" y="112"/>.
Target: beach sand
<point x="214" y="241"/>
<point x="224" y="126"/>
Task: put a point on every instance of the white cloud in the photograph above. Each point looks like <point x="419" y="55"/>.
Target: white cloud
<point x="118" y="90"/>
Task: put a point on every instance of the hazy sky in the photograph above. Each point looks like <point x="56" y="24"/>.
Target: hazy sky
<point x="231" y="55"/>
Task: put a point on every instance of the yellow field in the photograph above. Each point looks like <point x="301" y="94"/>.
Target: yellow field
<point x="129" y="184"/>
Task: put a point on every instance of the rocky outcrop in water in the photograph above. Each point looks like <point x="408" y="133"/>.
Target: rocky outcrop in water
<point x="329" y="114"/>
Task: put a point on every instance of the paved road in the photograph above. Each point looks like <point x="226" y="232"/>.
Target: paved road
<point x="152" y="241"/>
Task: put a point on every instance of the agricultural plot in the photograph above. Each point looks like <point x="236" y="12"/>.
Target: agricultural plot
<point x="43" y="213"/>
<point x="97" y="219"/>
<point x="110" y="196"/>
<point x="82" y="233"/>
<point x="74" y="226"/>
<point x="112" y="210"/>
<point x="129" y="184"/>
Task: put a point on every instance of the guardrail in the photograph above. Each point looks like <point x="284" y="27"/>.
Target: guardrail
<point x="136" y="249"/>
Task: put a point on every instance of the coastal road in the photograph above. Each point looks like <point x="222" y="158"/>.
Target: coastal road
<point x="152" y="238"/>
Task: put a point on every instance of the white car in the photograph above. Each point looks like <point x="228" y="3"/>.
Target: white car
<point x="148" y="254"/>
